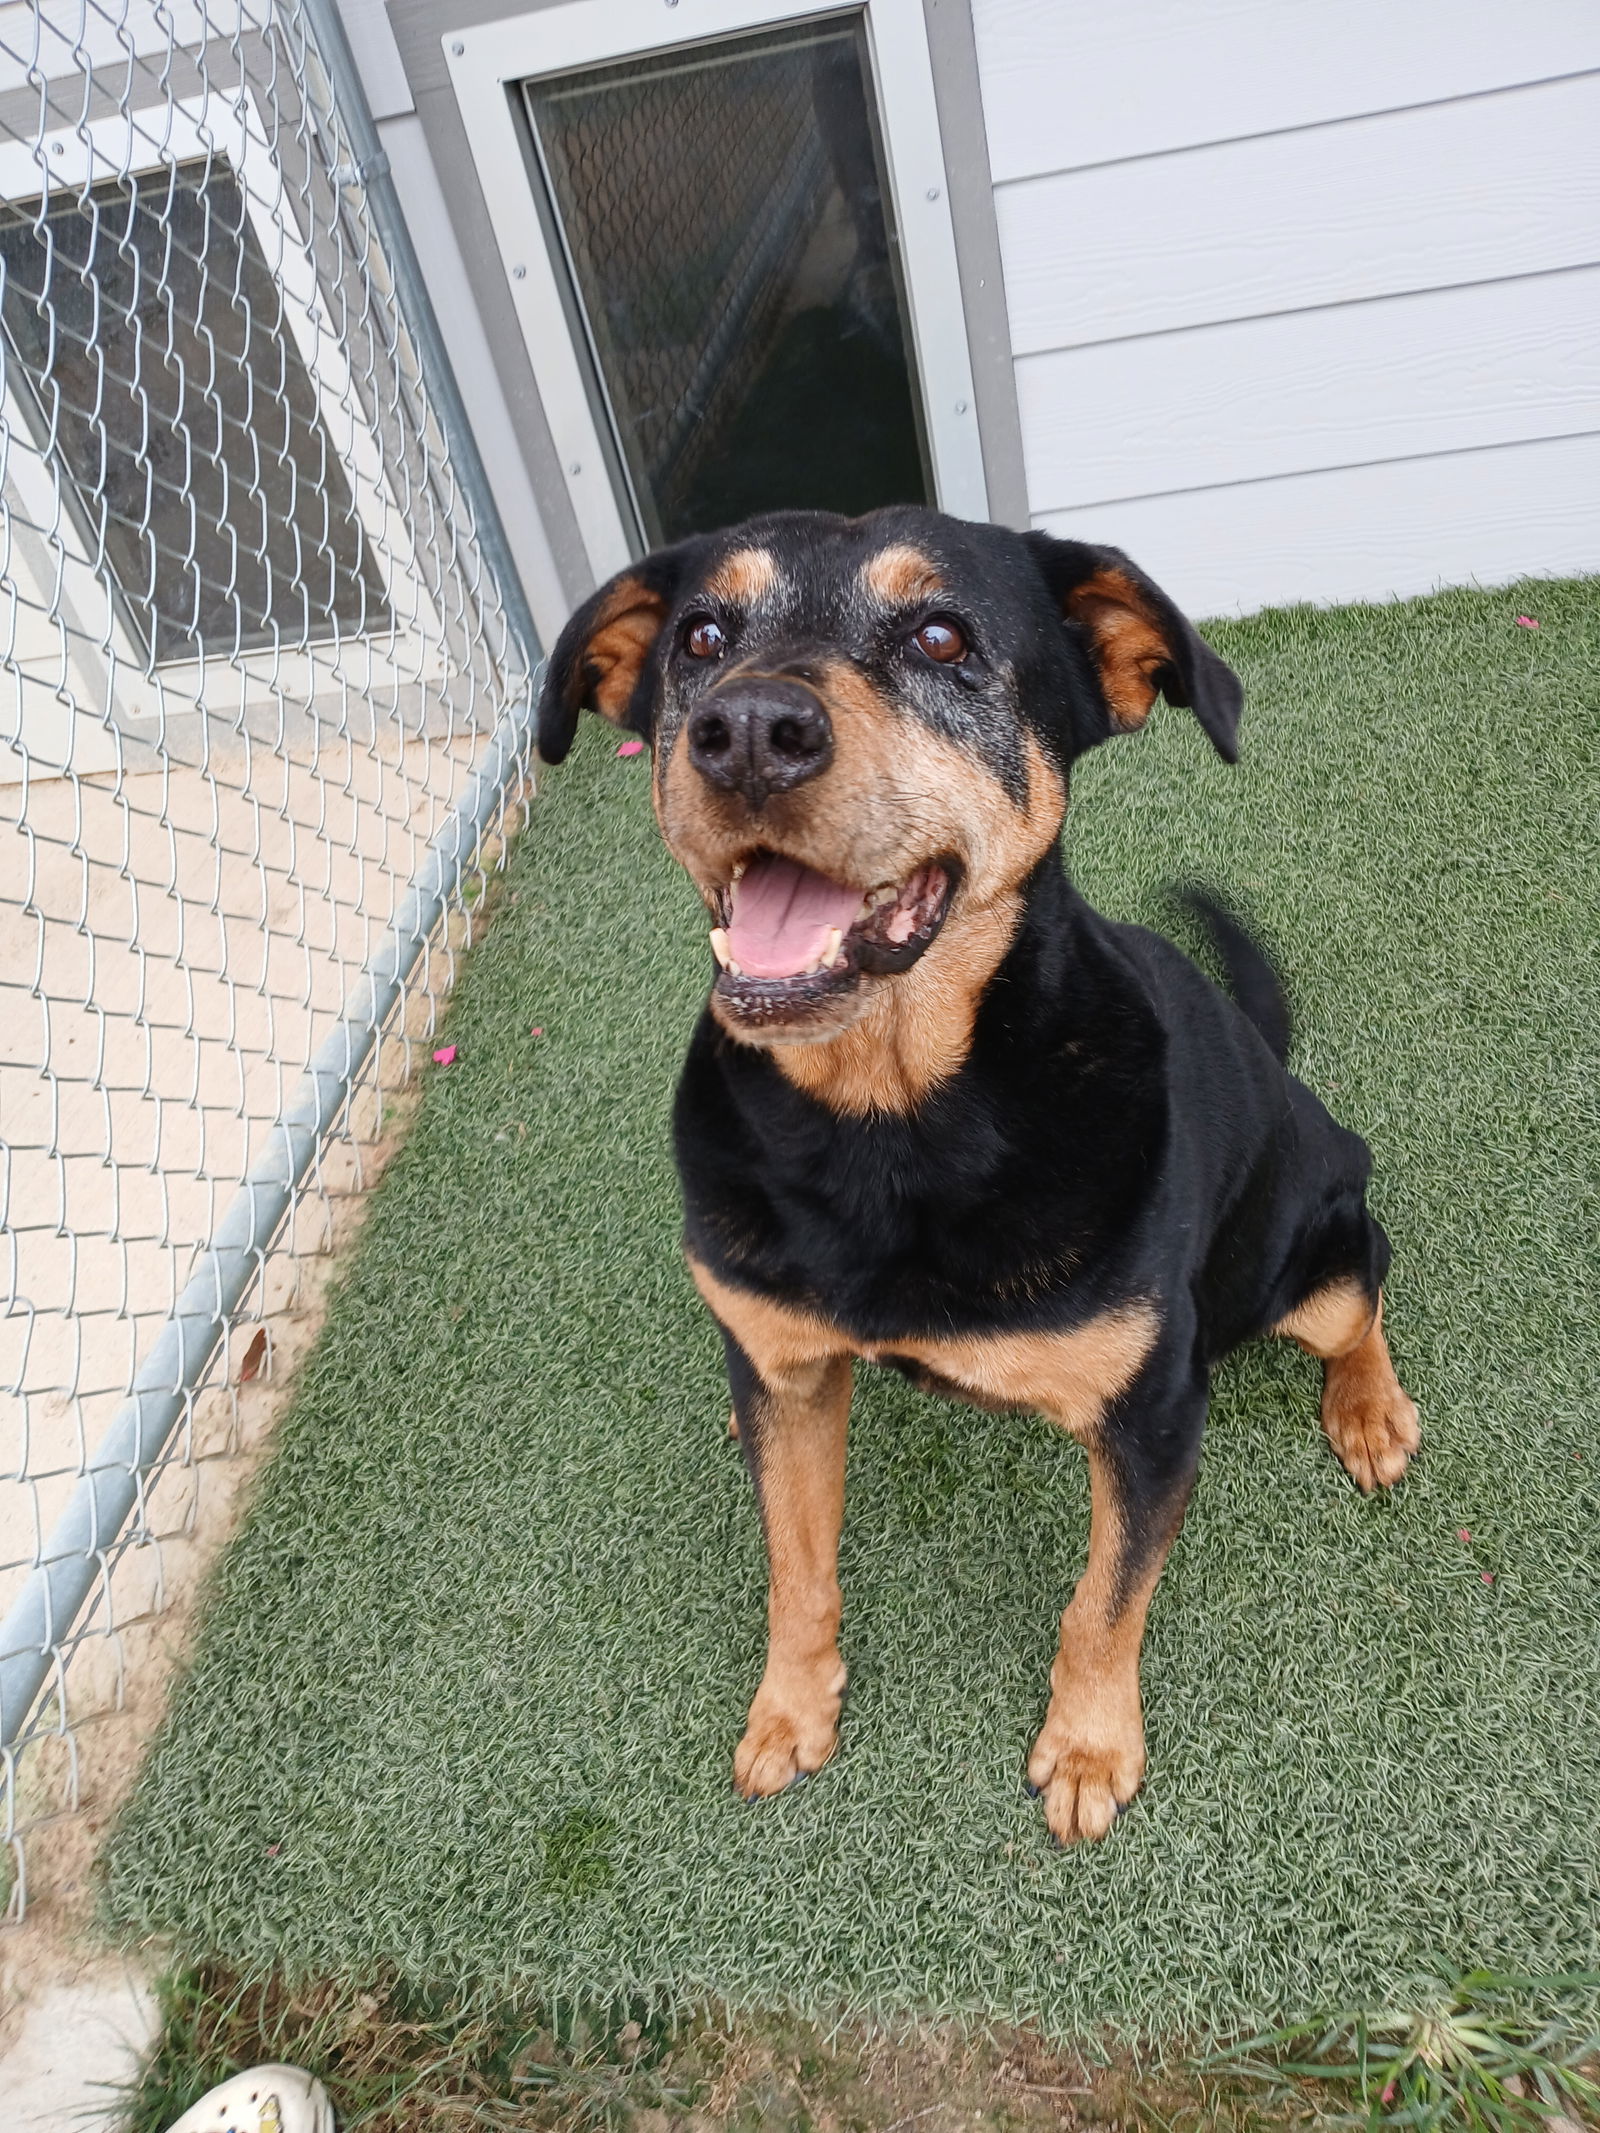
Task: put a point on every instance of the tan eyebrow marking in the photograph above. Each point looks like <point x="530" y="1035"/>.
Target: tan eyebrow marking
<point x="743" y="578"/>
<point x="901" y="574"/>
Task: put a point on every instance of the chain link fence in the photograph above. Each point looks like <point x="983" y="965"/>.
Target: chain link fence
<point x="263" y="689"/>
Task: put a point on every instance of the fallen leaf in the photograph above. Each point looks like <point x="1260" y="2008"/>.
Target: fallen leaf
<point x="637" y="747"/>
<point x="445" y="1055"/>
<point x="1524" y="622"/>
<point x="254" y="1356"/>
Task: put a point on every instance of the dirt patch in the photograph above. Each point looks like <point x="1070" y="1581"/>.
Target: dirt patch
<point x="393" y="2063"/>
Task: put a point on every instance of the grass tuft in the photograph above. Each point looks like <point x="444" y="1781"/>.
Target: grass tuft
<point x="1469" y="2057"/>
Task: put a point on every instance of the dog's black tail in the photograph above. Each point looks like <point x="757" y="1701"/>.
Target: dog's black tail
<point x="1254" y="983"/>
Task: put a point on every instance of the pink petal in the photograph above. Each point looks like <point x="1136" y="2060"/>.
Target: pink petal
<point x="1486" y="1576"/>
<point x="637" y="747"/>
<point x="1462" y="1534"/>
<point x="445" y="1055"/>
<point x="1388" y="2094"/>
<point x="1524" y="622"/>
<point x="536" y="1032"/>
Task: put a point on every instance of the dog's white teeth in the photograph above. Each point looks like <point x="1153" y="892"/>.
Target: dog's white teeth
<point x="834" y="949"/>
<point x="719" y="948"/>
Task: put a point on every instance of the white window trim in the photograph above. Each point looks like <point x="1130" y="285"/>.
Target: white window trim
<point x="407" y="650"/>
<point x="487" y="66"/>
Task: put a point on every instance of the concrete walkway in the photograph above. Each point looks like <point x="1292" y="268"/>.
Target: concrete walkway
<point x="70" y="2049"/>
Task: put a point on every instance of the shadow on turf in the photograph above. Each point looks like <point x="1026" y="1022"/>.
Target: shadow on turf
<point x="1486" y="2055"/>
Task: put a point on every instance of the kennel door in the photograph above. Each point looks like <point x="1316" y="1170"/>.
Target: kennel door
<point x="727" y="239"/>
<point x="721" y="211"/>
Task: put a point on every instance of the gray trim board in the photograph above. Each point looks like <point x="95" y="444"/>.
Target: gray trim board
<point x="416" y="181"/>
<point x="418" y="26"/>
<point x="377" y="58"/>
<point x="958" y="92"/>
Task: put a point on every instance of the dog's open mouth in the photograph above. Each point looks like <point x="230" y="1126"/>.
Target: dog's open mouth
<point x="791" y="938"/>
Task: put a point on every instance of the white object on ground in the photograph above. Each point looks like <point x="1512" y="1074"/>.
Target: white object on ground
<point x="263" y="2099"/>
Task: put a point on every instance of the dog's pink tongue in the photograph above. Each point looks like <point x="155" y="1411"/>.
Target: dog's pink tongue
<point x="782" y="915"/>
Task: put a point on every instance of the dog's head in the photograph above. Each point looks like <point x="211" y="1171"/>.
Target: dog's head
<point x="863" y="730"/>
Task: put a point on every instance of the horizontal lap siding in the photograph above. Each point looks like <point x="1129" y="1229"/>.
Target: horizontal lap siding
<point x="1442" y="372"/>
<point x="1067" y="83"/>
<point x="1363" y="533"/>
<point x="1374" y="207"/>
<point x="1353" y="266"/>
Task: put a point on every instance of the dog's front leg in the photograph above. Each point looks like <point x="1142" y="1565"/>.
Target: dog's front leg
<point x="793" y="1417"/>
<point x="1089" y="1758"/>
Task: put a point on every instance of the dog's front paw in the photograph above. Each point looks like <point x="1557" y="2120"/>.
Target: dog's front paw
<point x="1086" y="1777"/>
<point x="792" y="1730"/>
<point x="1372" y="1425"/>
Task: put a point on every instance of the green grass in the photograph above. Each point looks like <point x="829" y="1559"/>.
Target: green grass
<point x="1467" y="2058"/>
<point x="473" y="1671"/>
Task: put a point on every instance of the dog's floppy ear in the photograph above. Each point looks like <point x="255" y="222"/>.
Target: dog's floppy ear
<point x="1138" y="643"/>
<point x="602" y="660"/>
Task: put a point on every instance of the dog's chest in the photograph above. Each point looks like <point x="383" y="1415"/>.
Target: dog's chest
<point x="892" y="1226"/>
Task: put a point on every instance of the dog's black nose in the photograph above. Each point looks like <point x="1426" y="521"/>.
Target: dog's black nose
<point x="760" y="737"/>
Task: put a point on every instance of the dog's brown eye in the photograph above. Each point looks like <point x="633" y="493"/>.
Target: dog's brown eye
<point x="942" y="641"/>
<point x="703" y="638"/>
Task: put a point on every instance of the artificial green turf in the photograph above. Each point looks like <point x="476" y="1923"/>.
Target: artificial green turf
<point x="475" y="1666"/>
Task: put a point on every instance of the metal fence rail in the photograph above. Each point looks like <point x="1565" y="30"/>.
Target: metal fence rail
<point x="264" y="678"/>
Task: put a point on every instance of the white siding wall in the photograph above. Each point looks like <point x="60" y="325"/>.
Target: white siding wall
<point x="1304" y="294"/>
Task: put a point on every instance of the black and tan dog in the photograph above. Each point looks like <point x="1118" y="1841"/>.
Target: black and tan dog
<point x="940" y="1114"/>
